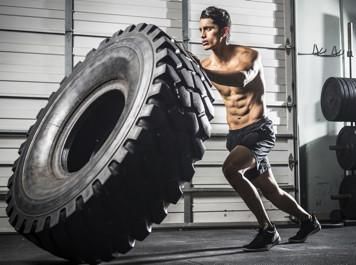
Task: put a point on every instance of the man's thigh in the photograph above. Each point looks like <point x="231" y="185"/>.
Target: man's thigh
<point x="240" y="158"/>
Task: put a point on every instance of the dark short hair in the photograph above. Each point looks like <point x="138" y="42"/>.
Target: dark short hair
<point x="220" y="16"/>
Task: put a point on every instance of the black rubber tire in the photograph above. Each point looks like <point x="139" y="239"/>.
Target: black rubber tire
<point x="112" y="148"/>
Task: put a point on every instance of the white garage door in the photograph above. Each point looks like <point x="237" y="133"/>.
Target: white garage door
<point x="31" y="67"/>
<point x="32" y="63"/>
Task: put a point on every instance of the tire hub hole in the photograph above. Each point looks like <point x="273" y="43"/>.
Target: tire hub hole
<point x="92" y="130"/>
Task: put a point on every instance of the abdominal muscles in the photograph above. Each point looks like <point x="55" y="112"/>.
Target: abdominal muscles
<point x="243" y="109"/>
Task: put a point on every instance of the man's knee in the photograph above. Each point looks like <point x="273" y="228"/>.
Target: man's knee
<point x="231" y="166"/>
<point x="232" y="173"/>
<point x="239" y="159"/>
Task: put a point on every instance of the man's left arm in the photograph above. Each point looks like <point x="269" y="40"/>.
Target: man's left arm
<point x="251" y="73"/>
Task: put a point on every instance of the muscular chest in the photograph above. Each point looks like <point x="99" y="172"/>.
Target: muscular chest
<point x="227" y="91"/>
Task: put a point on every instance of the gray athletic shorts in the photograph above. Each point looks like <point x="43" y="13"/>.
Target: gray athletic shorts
<point x="259" y="137"/>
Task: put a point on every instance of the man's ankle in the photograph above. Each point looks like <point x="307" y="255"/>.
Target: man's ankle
<point x="307" y="217"/>
<point x="267" y="226"/>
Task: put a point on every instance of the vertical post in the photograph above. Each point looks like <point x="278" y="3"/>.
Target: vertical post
<point x="350" y="32"/>
<point x="291" y="80"/>
<point x="68" y="45"/>
<point x="349" y="45"/>
<point x="342" y="35"/>
<point x="185" y="23"/>
<point x="188" y="197"/>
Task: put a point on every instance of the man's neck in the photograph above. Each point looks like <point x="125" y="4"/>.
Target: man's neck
<point x="221" y="55"/>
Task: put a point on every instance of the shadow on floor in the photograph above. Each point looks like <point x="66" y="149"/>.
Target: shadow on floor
<point x="177" y="255"/>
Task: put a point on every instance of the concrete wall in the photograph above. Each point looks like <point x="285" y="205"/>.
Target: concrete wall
<point x="317" y="22"/>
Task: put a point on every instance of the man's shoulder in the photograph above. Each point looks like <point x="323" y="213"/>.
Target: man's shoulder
<point x="246" y="51"/>
<point x="245" y="54"/>
<point x="205" y="62"/>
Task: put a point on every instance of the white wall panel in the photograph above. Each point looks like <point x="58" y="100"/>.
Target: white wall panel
<point x="8" y="156"/>
<point x="27" y="89"/>
<point x="36" y="43"/>
<point x="103" y="18"/>
<point x="14" y="125"/>
<point x="5" y="173"/>
<point x="42" y="4"/>
<point x="20" y="108"/>
<point x="225" y="203"/>
<point x="29" y="58"/>
<point x="230" y="209"/>
<point x="107" y="29"/>
<point x="251" y="23"/>
<point x="236" y="217"/>
<point x="31" y="23"/>
<point x="175" y="213"/>
<point x="31" y="12"/>
<point x="279" y="154"/>
<point x="136" y="8"/>
<point x="82" y="45"/>
<point x="31" y="67"/>
<point x="271" y="5"/>
<point x="4" y="221"/>
<point x="212" y="176"/>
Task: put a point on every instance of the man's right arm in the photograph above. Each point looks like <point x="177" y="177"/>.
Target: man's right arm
<point x="236" y="78"/>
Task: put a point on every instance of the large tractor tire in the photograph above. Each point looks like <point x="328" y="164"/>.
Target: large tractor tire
<point x="112" y="148"/>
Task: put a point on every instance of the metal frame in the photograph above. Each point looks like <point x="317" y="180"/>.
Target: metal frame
<point x="185" y="23"/>
<point x="188" y="198"/>
<point x="291" y="81"/>
<point x="68" y="45"/>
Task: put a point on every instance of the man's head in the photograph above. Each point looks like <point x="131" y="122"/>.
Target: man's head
<point x="214" y="26"/>
<point x="219" y="16"/>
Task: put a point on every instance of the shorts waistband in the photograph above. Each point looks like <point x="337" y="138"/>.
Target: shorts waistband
<point x="256" y="124"/>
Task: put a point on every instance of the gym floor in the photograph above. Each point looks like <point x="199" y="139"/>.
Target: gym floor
<point x="331" y="246"/>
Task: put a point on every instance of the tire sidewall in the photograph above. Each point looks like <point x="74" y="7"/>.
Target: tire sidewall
<point x="46" y="142"/>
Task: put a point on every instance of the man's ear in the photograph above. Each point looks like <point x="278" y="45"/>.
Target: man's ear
<point x="225" y="32"/>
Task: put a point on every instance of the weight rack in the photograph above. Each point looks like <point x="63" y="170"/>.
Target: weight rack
<point x="340" y="94"/>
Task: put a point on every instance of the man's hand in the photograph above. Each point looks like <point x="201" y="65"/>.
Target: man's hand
<point x="194" y="57"/>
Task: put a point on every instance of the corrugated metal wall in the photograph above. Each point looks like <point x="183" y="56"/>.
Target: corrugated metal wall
<point x="32" y="63"/>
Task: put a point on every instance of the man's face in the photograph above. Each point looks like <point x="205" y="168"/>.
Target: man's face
<point x="209" y="33"/>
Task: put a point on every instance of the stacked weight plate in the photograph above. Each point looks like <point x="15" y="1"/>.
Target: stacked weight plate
<point x="338" y="103"/>
<point x="346" y="147"/>
<point x="338" y="99"/>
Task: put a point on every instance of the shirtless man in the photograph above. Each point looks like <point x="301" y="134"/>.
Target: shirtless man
<point x="237" y="73"/>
